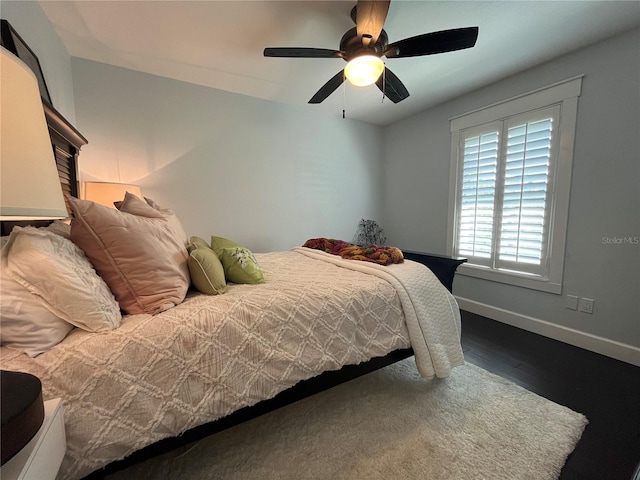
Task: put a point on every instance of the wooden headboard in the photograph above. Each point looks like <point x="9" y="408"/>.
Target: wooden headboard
<point x="66" y="142"/>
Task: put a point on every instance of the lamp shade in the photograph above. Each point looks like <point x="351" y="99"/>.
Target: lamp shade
<point x="106" y="193"/>
<point x="29" y="186"/>
<point x="364" y="70"/>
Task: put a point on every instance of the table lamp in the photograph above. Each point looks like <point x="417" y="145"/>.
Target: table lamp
<point x="105" y="193"/>
<point x="29" y="186"/>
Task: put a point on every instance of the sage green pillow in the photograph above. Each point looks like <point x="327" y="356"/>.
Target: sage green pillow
<point x="219" y="243"/>
<point x="197" y="242"/>
<point x="240" y="266"/>
<point x="206" y="271"/>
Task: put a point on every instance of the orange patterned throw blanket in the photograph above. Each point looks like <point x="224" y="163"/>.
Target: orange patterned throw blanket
<point x="372" y="253"/>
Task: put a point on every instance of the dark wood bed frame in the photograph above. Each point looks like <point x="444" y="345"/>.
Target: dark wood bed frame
<point x="66" y="143"/>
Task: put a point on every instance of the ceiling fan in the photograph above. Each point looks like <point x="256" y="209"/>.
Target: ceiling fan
<point x="364" y="45"/>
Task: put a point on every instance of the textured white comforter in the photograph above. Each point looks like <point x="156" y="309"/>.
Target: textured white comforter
<point x="431" y="313"/>
<point x="157" y="376"/>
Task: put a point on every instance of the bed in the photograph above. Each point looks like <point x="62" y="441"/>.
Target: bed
<point x="184" y="369"/>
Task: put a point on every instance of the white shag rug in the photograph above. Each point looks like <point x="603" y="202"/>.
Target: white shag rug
<point x="390" y="424"/>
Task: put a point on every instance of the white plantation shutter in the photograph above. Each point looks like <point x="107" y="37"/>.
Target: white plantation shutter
<point x="525" y="209"/>
<point x="509" y="187"/>
<point x="478" y="191"/>
<point x="505" y="191"/>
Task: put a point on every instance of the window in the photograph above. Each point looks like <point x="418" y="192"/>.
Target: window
<point x="510" y="179"/>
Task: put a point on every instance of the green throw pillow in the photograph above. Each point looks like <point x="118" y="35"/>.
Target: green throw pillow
<point x="219" y="243"/>
<point x="197" y="242"/>
<point x="206" y="271"/>
<point x="240" y="266"/>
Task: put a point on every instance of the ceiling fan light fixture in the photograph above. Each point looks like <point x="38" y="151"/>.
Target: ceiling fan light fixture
<point x="363" y="46"/>
<point x="364" y="70"/>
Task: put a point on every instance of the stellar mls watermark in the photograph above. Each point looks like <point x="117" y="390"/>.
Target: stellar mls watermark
<point x="615" y="240"/>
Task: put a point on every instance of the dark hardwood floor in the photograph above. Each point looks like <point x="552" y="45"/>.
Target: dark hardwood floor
<point x="605" y="390"/>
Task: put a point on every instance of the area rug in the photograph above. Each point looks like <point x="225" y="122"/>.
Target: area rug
<point x="390" y="424"/>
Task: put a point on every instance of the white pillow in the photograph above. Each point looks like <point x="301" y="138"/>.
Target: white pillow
<point x="60" y="228"/>
<point x="57" y="271"/>
<point x="25" y="324"/>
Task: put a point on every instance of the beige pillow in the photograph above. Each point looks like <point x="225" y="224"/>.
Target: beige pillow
<point x="148" y="208"/>
<point x="173" y="219"/>
<point x="140" y="257"/>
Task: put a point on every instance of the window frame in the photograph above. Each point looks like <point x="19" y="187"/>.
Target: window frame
<point x="564" y="95"/>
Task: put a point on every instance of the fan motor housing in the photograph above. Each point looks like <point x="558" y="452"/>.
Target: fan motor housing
<point x="352" y="47"/>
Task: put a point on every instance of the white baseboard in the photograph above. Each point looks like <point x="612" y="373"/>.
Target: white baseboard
<point x="610" y="348"/>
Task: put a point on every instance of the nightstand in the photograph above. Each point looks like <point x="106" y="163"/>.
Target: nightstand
<point x="442" y="266"/>
<point x="40" y="459"/>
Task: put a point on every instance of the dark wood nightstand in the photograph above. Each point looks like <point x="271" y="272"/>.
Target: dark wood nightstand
<point x="443" y="266"/>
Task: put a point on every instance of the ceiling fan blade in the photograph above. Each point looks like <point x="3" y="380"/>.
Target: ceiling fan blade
<point x="392" y="87"/>
<point x="435" y="42"/>
<point x="302" y="52"/>
<point x="370" y="17"/>
<point x="328" y="88"/>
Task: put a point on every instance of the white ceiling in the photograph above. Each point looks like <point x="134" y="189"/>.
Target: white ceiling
<point x="220" y="43"/>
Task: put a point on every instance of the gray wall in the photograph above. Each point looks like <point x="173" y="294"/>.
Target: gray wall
<point x="267" y="175"/>
<point x="604" y="202"/>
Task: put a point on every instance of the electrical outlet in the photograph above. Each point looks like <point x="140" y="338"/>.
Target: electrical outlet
<point x="585" y="305"/>
<point x="571" y="302"/>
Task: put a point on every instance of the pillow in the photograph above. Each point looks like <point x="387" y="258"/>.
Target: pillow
<point x="148" y="208"/>
<point x="60" y="228"/>
<point x="27" y="325"/>
<point x="206" y="271"/>
<point x="218" y="244"/>
<point x="240" y="266"/>
<point x="58" y="273"/>
<point x="197" y="242"/>
<point x="174" y="223"/>
<point x="141" y="257"/>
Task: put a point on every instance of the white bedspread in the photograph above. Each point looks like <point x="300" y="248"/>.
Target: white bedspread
<point x="431" y="312"/>
<point x="158" y="376"/>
